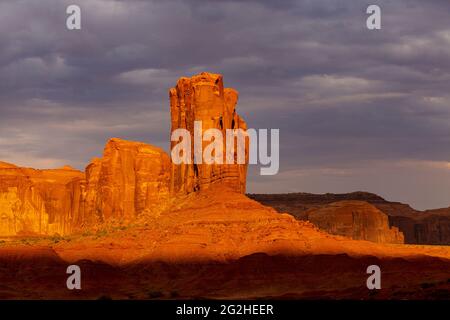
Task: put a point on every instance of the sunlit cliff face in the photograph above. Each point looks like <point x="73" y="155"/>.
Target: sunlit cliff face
<point x="203" y="99"/>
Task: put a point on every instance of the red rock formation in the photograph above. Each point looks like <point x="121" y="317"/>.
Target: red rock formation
<point x="131" y="178"/>
<point x="358" y="220"/>
<point x="36" y="201"/>
<point x="429" y="227"/>
<point x="203" y="98"/>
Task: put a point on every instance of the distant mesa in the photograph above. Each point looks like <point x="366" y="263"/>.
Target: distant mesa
<point x="358" y="220"/>
<point x="418" y="227"/>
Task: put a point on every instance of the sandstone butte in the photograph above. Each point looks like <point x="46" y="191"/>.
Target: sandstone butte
<point x="358" y="220"/>
<point x="203" y="98"/>
<point x="134" y="205"/>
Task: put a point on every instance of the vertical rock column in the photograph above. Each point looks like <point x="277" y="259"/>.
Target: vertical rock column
<point x="203" y="98"/>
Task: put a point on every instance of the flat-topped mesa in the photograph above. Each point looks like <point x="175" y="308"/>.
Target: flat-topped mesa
<point x="204" y="98"/>
<point x="358" y="220"/>
<point x="130" y="178"/>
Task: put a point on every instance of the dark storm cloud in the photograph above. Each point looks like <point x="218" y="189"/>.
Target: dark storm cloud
<point x="349" y="102"/>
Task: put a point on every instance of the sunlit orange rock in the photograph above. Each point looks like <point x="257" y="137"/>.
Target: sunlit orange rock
<point x="204" y="98"/>
<point x="132" y="177"/>
<point x="36" y="201"/>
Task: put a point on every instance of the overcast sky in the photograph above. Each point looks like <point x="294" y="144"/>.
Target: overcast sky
<point x="357" y="109"/>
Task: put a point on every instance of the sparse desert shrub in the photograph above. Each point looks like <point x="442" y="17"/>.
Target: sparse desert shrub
<point x="86" y="234"/>
<point x="101" y="233"/>
<point x="56" y="238"/>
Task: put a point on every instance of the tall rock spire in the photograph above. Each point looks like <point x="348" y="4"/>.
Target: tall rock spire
<point x="204" y="98"/>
